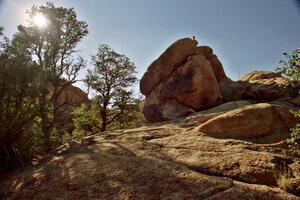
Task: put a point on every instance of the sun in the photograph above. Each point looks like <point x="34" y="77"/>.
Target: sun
<point x="40" y="20"/>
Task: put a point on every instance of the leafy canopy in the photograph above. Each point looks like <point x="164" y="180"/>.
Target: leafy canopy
<point x="19" y="91"/>
<point x="110" y="79"/>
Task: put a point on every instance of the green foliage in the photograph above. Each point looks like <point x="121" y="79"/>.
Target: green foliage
<point x="291" y="70"/>
<point x="57" y="137"/>
<point x="110" y="79"/>
<point x="86" y="120"/>
<point x="53" y="48"/>
<point x="35" y="67"/>
<point x="291" y="65"/>
<point x="131" y="116"/>
<point x="19" y="92"/>
<point x="294" y="140"/>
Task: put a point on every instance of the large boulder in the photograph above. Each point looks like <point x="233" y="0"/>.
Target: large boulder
<point x="71" y="95"/>
<point x="252" y="121"/>
<point x="70" y="98"/>
<point x="256" y="85"/>
<point x="162" y="67"/>
<point x="203" y="116"/>
<point x="193" y="84"/>
<point x="181" y="81"/>
<point x="262" y="85"/>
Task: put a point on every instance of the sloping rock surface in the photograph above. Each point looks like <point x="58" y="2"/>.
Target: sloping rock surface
<point x="170" y="160"/>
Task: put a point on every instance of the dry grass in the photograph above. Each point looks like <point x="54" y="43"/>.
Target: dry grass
<point x="284" y="181"/>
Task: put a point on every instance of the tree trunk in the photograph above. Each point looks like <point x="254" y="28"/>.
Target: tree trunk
<point x="45" y="126"/>
<point x="104" y="120"/>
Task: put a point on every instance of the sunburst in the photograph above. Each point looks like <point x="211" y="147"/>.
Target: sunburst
<point x="40" y="20"/>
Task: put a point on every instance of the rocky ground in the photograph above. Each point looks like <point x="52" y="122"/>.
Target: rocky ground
<point x="168" y="160"/>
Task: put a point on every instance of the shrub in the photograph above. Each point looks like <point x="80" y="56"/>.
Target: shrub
<point x="294" y="140"/>
<point x="284" y="181"/>
<point x="19" y="92"/>
<point x="290" y="68"/>
<point x="86" y="121"/>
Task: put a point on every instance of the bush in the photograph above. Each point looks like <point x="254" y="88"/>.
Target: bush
<point x="291" y="70"/>
<point x="86" y="121"/>
<point x="294" y="140"/>
<point x="19" y="92"/>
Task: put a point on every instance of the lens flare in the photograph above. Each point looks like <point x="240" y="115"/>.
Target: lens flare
<point x="40" y="20"/>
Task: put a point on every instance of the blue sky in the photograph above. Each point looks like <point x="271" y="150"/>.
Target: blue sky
<point x="246" y="35"/>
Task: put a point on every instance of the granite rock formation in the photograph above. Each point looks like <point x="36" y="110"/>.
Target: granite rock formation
<point x="187" y="78"/>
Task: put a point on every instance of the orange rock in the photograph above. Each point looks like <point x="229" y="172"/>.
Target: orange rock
<point x="254" y="121"/>
<point x="193" y="84"/>
<point x="162" y="67"/>
<point x="70" y="98"/>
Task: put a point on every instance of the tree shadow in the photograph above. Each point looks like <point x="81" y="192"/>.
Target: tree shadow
<point x="96" y="168"/>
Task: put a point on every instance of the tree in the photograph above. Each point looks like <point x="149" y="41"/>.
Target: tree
<point x="87" y="118"/>
<point x="131" y="116"/>
<point x="291" y="70"/>
<point x="53" y="46"/>
<point x="19" y="91"/>
<point x="110" y="78"/>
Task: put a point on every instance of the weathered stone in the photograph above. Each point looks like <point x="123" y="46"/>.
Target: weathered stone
<point x="259" y="86"/>
<point x="162" y="67"/>
<point x="158" y="161"/>
<point x="217" y="67"/>
<point x="257" y="75"/>
<point x="72" y="95"/>
<point x="191" y="87"/>
<point x="193" y="84"/>
<point x="204" y="50"/>
<point x="294" y="186"/>
<point x="191" y="78"/>
<point x="257" y="120"/>
<point x="203" y="116"/>
<point x="70" y="98"/>
<point x="265" y="89"/>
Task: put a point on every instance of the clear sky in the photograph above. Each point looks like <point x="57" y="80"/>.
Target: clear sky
<point x="245" y="34"/>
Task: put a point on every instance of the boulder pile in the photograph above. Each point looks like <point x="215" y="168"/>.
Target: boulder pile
<point x="187" y="78"/>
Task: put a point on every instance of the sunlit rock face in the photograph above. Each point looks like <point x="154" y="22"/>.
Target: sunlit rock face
<point x="70" y="98"/>
<point x="188" y="78"/>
